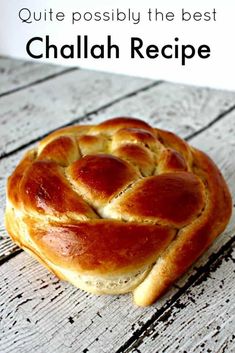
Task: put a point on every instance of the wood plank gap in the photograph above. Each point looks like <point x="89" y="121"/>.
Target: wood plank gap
<point x="49" y="77"/>
<point x="211" y="123"/>
<point x="6" y="258"/>
<point x="166" y="316"/>
<point x="201" y="272"/>
<point x="80" y="119"/>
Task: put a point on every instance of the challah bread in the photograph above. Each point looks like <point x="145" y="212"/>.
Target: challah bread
<point x="116" y="207"/>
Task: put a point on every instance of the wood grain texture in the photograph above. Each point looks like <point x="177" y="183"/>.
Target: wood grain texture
<point x="203" y="317"/>
<point x="41" y="312"/>
<point x="180" y="108"/>
<point x="7" y="247"/>
<point x="16" y="74"/>
<point x="34" y="111"/>
<point x="83" y="322"/>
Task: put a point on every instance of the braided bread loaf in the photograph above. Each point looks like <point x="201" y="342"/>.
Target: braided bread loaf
<point x="116" y="207"/>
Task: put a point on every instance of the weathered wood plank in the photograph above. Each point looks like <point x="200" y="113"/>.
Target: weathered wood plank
<point x="167" y="105"/>
<point x="16" y="74"/>
<point x="7" y="247"/>
<point x="201" y="320"/>
<point x="100" y="322"/>
<point x="31" y="318"/>
<point x="176" y="107"/>
<point x="26" y="115"/>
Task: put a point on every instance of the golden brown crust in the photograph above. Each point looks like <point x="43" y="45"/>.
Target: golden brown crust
<point x="113" y="125"/>
<point x="14" y="180"/>
<point x="44" y="190"/>
<point x="63" y="150"/>
<point x="101" y="246"/>
<point x="138" y="156"/>
<point x="157" y="199"/>
<point x="117" y="199"/>
<point x="101" y="176"/>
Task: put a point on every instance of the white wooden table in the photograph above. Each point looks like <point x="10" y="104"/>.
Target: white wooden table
<point x="38" y="312"/>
